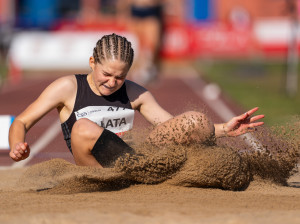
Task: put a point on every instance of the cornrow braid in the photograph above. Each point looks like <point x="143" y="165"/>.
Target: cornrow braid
<point x="100" y="49"/>
<point x="113" y="47"/>
<point x="122" y="47"/>
<point x="95" y="53"/>
<point x="108" y="48"/>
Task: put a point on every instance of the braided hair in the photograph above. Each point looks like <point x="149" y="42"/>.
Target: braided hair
<point x="113" y="47"/>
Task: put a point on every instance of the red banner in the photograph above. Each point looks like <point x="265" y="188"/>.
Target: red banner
<point x="196" y="41"/>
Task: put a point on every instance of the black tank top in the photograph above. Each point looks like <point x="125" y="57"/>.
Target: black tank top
<point x="113" y="112"/>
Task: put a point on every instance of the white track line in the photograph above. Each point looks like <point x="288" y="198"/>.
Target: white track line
<point x="192" y="80"/>
<point x="40" y="144"/>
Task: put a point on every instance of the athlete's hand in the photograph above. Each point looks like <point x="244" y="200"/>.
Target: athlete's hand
<point x="20" y="152"/>
<point x="242" y="124"/>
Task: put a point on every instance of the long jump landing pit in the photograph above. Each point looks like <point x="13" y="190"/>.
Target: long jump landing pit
<point x="196" y="184"/>
<point x="190" y="190"/>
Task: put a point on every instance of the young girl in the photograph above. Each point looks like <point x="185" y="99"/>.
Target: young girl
<point x="96" y="108"/>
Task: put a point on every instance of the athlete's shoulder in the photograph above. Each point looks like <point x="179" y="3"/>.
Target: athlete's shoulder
<point x="62" y="87"/>
<point x="133" y="86"/>
<point x="137" y="94"/>
<point x="65" y="82"/>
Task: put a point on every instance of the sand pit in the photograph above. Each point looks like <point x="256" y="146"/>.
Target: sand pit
<point x="196" y="184"/>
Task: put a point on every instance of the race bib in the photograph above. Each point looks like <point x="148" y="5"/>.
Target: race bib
<point x="115" y="119"/>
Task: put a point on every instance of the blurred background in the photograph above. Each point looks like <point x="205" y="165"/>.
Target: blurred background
<point x="249" y="48"/>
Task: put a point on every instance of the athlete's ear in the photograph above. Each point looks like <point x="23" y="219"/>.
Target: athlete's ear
<point x="92" y="63"/>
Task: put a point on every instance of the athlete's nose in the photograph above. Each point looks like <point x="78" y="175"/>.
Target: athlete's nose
<point x="112" y="82"/>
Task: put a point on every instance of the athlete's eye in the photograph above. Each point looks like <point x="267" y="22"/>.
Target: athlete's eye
<point x="120" y="77"/>
<point x="106" y="74"/>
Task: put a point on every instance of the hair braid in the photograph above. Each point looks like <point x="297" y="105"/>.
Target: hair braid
<point x="128" y="53"/>
<point x="122" y="44"/>
<point x="95" y="52"/>
<point x="113" y="47"/>
<point x="100" y="48"/>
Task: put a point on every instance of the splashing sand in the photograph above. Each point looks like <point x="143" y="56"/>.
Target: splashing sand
<point x="278" y="161"/>
<point x="194" y="166"/>
<point x="215" y="166"/>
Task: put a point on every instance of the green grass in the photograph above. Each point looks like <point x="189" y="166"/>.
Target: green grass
<point x="3" y="71"/>
<point x="254" y="83"/>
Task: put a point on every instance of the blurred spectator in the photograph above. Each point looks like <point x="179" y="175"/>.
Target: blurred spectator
<point x="89" y="11"/>
<point x="6" y="25"/>
<point x="7" y="17"/>
<point x="240" y="18"/>
<point x="144" y="19"/>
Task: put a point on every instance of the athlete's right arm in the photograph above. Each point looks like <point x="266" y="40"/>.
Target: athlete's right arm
<point x="56" y="95"/>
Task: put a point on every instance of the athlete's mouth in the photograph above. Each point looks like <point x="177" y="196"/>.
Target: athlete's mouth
<point x="108" y="87"/>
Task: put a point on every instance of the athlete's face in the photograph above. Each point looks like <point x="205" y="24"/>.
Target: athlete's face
<point x="109" y="76"/>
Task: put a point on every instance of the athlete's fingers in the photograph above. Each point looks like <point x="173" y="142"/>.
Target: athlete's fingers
<point x="252" y="126"/>
<point x="242" y="117"/>
<point x="13" y="156"/>
<point x="17" y="154"/>
<point x="256" y="124"/>
<point x="22" y="147"/>
<point x="255" y="118"/>
<point x="252" y="111"/>
<point x="22" y="152"/>
<point x="247" y="114"/>
<point x="18" y="150"/>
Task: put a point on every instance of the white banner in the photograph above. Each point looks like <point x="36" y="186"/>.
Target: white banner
<point x="57" y="50"/>
<point x="5" y="122"/>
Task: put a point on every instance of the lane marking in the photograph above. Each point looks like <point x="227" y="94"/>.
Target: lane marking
<point x="192" y="80"/>
<point x="40" y="144"/>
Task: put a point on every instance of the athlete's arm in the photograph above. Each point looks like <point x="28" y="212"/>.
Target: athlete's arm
<point x="152" y="111"/>
<point x="54" y="96"/>
<point x="155" y="114"/>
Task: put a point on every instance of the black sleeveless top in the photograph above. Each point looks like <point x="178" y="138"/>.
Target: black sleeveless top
<point x="113" y="112"/>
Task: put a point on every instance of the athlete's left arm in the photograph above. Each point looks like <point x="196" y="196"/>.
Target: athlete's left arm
<point x="152" y="111"/>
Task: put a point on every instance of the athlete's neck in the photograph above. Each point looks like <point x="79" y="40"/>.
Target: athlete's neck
<point x="92" y="85"/>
